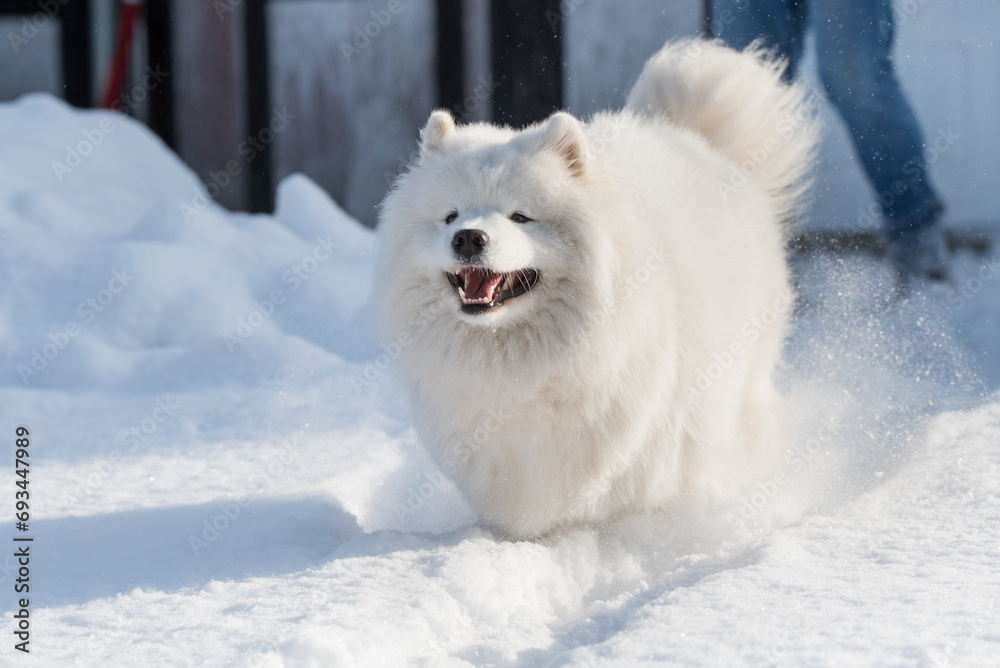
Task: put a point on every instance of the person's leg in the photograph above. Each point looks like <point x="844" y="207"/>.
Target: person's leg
<point x="780" y="23"/>
<point x="854" y="40"/>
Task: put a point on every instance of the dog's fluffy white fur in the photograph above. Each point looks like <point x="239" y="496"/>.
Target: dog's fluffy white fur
<point x="639" y="364"/>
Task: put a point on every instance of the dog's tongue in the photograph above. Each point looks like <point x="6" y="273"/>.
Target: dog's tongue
<point x="481" y="284"/>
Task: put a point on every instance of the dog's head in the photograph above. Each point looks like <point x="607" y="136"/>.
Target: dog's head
<point x="491" y="227"/>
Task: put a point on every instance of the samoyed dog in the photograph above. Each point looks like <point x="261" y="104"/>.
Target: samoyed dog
<point x="589" y="315"/>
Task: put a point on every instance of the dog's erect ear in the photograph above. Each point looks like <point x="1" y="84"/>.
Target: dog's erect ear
<point x="563" y="134"/>
<point x="439" y="126"/>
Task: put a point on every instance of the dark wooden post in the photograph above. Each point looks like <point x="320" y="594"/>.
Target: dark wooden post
<point x="258" y="103"/>
<point x="527" y="60"/>
<point x="159" y="38"/>
<point x="76" y="53"/>
<point x="450" y="54"/>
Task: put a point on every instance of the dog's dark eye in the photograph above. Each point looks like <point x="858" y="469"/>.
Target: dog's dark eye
<point x="520" y="218"/>
<point x="451" y="218"/>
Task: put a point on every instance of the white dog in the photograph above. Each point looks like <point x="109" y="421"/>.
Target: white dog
<point x="589" y="314"/>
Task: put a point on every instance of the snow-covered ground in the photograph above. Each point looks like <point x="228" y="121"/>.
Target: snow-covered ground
<point x="221" y="473"/>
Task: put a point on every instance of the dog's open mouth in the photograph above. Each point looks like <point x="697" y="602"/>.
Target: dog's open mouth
<point x="482" y="289"/>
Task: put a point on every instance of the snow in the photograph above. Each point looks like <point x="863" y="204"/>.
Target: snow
<point x="223" y="474"/>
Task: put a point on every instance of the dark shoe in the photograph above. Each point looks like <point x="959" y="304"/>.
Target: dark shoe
<point x="920" y="254"/>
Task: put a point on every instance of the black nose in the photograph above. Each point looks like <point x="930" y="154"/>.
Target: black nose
<point x="468" y="243"/>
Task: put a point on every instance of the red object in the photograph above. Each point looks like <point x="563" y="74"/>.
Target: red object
<point x="129" y="15"/>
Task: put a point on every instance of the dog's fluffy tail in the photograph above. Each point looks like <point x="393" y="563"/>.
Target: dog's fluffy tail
<point x="739" y="103"/>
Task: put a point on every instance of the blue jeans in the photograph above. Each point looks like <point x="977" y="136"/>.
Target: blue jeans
<point x="854" y="43"/>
